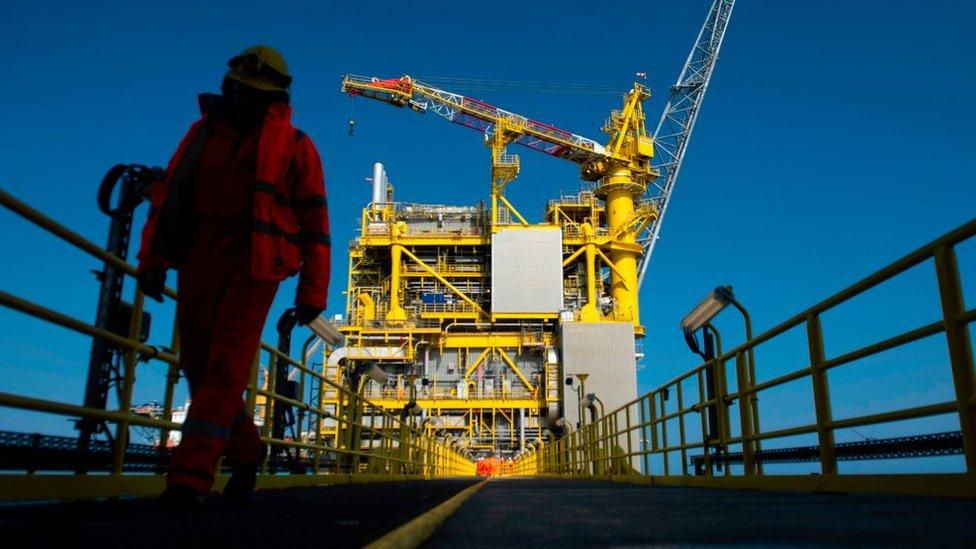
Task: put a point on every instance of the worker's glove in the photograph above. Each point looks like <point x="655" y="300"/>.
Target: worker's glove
<point x="152" y="282"/>
<point x="306" y="314"/>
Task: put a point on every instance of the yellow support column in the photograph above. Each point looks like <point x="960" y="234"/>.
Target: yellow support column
<point x="624" y="250"/>
<point x="590" y="312"/>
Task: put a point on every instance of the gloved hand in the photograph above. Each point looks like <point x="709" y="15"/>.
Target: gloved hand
<point x="152" y="282"/>
<point x="306" y="314"/>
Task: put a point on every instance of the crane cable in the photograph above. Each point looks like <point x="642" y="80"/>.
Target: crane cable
<point x="352" y="114"/>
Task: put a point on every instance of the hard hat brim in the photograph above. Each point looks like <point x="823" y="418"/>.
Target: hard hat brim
<point x="258" y="83"/>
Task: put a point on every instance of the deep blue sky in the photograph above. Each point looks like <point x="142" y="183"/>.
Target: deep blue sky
<point x="836" y="136"/>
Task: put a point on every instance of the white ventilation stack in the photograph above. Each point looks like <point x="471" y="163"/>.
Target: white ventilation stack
<point x="379" y="183"/>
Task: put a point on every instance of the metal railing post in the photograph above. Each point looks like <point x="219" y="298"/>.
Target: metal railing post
<point x="745" y="414"/>
<point x="821" y="396"/>
<point x="630" y="447"/>
<point x="681" y="430"/>
<point x="960" y="348"/>
<point x="665" y="448"/>
<point x="703" y="415"/>
<point x="172" y="379"/>
<point x="647" y="428"/>
<point x="128" y="381"/>
<point x="269" y="404"/>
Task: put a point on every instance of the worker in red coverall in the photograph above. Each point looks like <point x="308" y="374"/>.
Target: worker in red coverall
<point x="241" y="208"/>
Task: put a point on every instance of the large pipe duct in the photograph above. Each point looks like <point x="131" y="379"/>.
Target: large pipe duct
<point x="379" y="183"/>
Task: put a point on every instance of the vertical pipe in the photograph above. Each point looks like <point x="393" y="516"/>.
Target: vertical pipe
<point x="721" y="390"/>
<point x="379" y="183"/>
<point x="821" y="396"/>
<point x="396" y="312"/>
<point x="960" y="349"/>
<point x="590" y="312"/>
<point x="751" y="354"/>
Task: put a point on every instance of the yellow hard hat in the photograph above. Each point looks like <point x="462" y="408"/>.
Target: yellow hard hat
<point x="261" y="67"/>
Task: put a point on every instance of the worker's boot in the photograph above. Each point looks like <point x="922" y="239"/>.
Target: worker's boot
<point x="241" y="484"/>
<point x="180" y="498"/>
<point x="243" y="479"/>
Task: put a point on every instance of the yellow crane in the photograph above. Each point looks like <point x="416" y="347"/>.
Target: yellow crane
<point x="621" y="169"/>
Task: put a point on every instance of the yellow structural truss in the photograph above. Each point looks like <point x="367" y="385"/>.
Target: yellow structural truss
<point x="419" y="295"/>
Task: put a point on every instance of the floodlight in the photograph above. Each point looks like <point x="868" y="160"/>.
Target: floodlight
<point x="322" y="328"/>
<point x="705" y="311"/>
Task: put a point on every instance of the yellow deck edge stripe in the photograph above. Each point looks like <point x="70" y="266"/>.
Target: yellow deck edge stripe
<point x="415" y="532"/>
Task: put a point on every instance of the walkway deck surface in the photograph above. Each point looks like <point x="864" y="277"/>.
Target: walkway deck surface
<point x="556" y="513"/>
<point x="503" y="513"/>
<point x="345" y="515"/>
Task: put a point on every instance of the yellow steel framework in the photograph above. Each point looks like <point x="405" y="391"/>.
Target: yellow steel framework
<point x="621" y="444"/>
<point x="365" y="443"/>
<point x="621" y="169"/>
<point x="401" y="255"/>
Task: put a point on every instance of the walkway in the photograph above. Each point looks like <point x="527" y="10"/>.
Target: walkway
<point x="555" y="513"/>
<point x="503" y="513"/>
<point x="346" y="515"/>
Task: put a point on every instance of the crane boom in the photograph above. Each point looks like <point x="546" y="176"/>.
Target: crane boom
<point x="678" y="120"/>
<point x="473" y="113"/>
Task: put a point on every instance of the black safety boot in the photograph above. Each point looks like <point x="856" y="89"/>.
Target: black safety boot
<point x="241" y="484"/>
<point x="181" y="498"/>
<point x="243" y="478"/>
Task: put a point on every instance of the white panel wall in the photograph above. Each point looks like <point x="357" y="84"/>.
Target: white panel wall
<point x="526" y="271"/>
<point x="605" y="351"/>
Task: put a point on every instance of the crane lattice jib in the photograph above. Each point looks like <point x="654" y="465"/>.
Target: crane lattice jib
<point x="674" y="129"/>
<point x="478" y="115"/>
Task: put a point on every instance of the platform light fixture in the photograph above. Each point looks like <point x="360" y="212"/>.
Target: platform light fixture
<point x="720" y="298"/>
<point x="322" y="328"/>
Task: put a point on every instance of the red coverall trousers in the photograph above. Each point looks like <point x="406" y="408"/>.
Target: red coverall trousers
<point x="221" y="314"/>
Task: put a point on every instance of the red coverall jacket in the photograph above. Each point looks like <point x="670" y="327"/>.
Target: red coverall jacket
<point x="290" y="231"/>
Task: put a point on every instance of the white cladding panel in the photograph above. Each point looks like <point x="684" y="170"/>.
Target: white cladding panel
<point x="605" y="351"/>
<point x="526" y="271"/>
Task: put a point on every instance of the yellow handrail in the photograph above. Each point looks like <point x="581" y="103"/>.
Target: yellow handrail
<point x="622" y="443"/>
<point x="369" y="443"/>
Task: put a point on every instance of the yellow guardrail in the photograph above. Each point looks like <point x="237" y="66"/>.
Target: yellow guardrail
<point x="370" y="444"/>
<point x="620" y="444"/>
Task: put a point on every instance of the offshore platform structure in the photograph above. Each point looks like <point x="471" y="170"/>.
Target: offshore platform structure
<point x="477" y="316"/>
